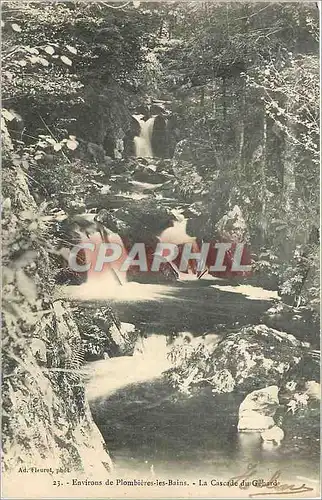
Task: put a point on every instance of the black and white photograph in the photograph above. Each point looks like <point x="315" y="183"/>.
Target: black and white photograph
<point x="160" y="249"/>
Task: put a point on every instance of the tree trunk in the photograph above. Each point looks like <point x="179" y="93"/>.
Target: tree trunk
<point x="202" y="96"/>
<point x="161" y="29"/>
<point x="288" y="174"/>
<point x="263" y="217"/>
<point x="224" y="104"/>
<point x="242" y="132"/>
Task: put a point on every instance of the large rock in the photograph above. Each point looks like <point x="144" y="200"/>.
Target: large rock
<point x="250" y="359"/>
<point x="102" y="333"/>
<point x="257" y="410"/>
<point x="253" y="358"/>
<point x="104" y="118"/>
<point x="160" y="137"/>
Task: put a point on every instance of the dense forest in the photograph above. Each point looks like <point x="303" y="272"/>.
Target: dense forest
<point x="233" y="89"/>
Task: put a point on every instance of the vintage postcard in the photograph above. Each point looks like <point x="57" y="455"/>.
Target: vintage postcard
<point x="160" y="249"/>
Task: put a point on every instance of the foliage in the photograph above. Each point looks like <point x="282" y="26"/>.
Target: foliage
<point x="248" y="104"/>
<point x="91" y="41"/>
<point x="43" y="393"/>
<point x="42" y="389"/>
<point x="299" y="401"/>
<point x="55" y="56"/>
<point x="292" y="81"/>
<point x="301" y="277"/>
<point x="245" y="114"/>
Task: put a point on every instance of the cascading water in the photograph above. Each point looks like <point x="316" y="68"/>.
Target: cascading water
<point x="143" y="142"/>
<point x="106" y="281"/>
<point x="110" y="275"/>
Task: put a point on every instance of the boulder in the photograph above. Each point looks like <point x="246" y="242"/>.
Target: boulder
<point x="254" y="422"/>
<point x="156" y="109"/>
<point x="257" y="410"/>
<point x="104" y="118"/>
<point x="102" y="332"/>
<point x="149" y="175"/>
<point x="250" y="359"/>
<point x="313" y="390"/>
<point x="253" y="358"/>
<point x="274" y="435"/>
<point x="160" y="137"/>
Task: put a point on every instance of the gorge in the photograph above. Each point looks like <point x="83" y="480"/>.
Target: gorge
<point x="147" y="375"/>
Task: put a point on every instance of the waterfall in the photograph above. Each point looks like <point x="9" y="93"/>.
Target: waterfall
<point x="104" y="283"/>
<point x="143" y="142"/>
<point x="110" y="276"/>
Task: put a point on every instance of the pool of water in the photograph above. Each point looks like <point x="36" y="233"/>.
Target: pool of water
<point x="152" y="431"/>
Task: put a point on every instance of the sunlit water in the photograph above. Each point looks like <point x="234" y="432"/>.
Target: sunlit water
<point x="143" y="146"/>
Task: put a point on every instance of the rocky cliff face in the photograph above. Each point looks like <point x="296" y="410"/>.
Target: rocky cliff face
<point x="46" y="418"/>
<point x="104" y="119"/>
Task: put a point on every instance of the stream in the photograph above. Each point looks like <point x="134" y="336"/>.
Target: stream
<point x="151" y="430"/>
